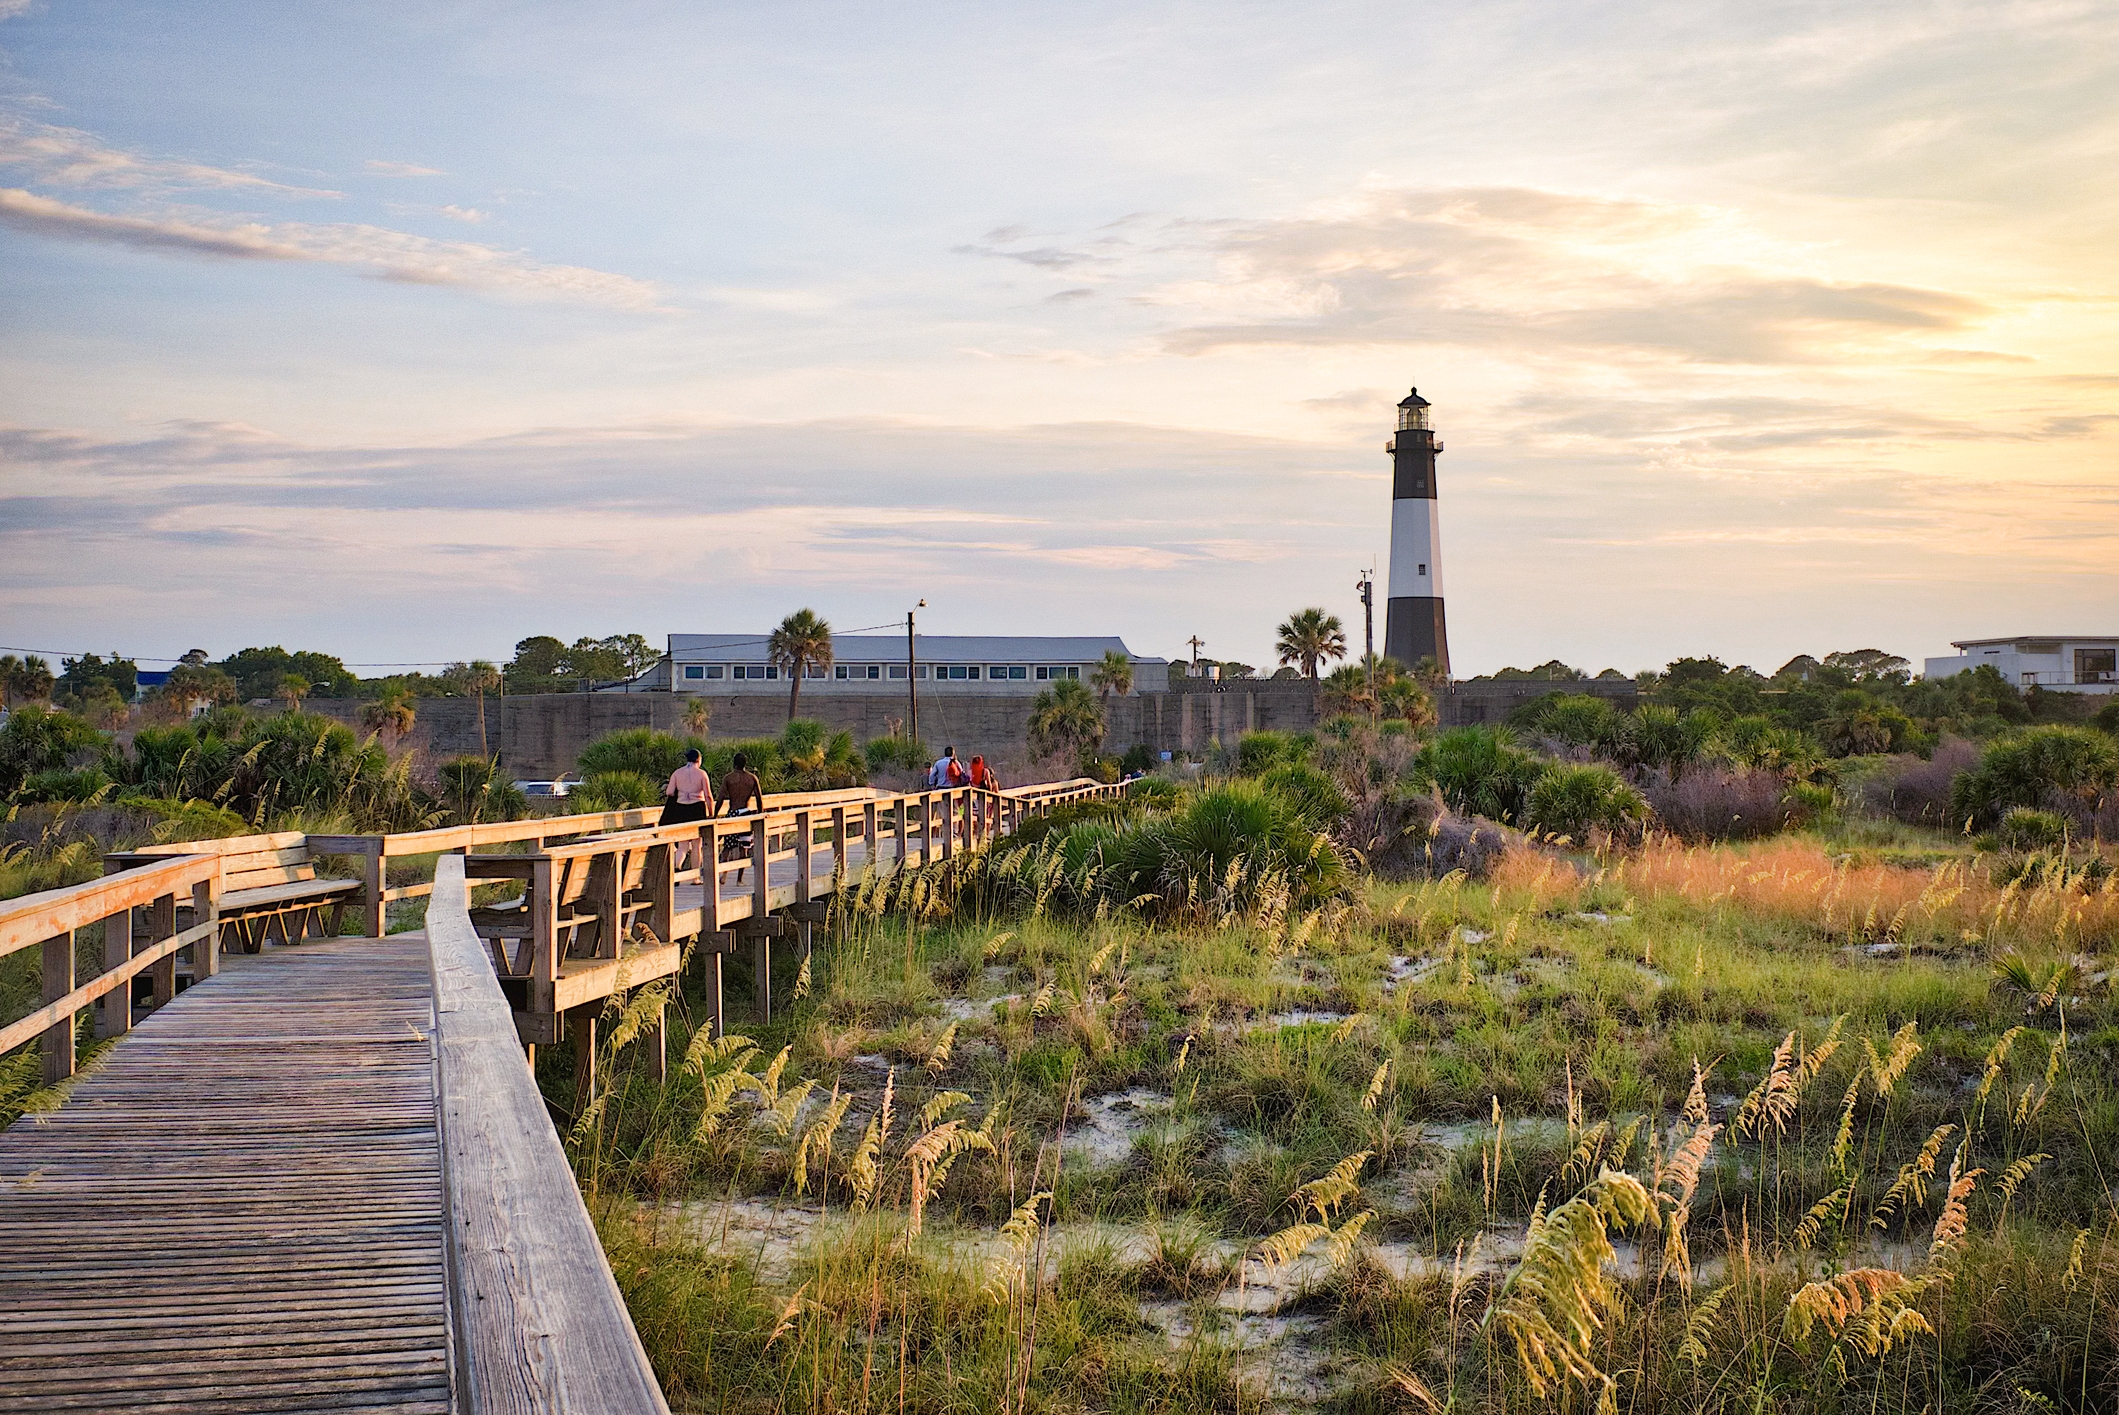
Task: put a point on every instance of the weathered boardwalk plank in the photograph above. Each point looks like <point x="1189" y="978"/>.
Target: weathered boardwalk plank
<point x="241" y="1209"/>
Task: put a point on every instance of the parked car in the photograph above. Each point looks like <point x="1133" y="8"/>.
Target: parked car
<point x="546" y="790"/>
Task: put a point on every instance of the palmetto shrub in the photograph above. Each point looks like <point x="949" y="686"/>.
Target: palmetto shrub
<point x="1480" y="771"/>
<point x="2026" y="829"/>
<point x="1575" y="800"/>
<point x="615" y="791"/>
<point x="1313" y="795"/>
<point x="475" y="789"/>
<point x="643" y="750"/>
<point x="2076" y="767"/>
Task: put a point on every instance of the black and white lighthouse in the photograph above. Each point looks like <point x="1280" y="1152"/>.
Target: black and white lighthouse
<point x="1412" y="625"/>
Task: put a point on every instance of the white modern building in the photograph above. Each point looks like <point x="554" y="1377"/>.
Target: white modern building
<point x="2077" y="665"/>
<point x="881" y="663"/>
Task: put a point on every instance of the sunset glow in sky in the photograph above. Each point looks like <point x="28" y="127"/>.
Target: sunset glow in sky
<point x="403" y="331"/>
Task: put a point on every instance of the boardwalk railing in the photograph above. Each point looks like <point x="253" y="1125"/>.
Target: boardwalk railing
<point x="537" y="1321"/>
<point x="51" y="920"/>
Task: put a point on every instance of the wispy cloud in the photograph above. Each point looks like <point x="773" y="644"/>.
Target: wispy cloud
<point x="383" y="168"/>
<point x="1527" y="269"/>
<point x="69" y="157"/>
<point x="41" y="216"/>
<point x="469" y="215"/>
<point x="373" y="251"/>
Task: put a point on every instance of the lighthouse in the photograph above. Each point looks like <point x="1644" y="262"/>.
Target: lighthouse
<point x="1412" y="625"/>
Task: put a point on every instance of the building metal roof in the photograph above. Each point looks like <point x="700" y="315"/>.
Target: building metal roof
<point x="929" y="648"/>
<point x="2035" y="638"/>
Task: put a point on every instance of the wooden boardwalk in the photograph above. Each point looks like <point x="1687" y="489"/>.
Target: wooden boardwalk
<point x="322" y="1177"/>
<point x="241" y="1208"/>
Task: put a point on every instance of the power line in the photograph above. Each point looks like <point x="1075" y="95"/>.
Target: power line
<point x="429" y="663"/>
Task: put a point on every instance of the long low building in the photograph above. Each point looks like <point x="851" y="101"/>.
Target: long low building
<point x="2081" y="664"/>
<point x="869" y="663"/>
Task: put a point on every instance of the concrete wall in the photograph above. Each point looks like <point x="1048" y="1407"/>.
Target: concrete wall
<point x="541" y="735"/>
<point x="1480" y="700"/>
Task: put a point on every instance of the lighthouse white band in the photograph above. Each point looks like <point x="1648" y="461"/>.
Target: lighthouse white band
<point x="1416" y="542"/>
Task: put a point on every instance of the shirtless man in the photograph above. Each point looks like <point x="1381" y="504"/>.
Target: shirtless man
<point x="741" y="794"/>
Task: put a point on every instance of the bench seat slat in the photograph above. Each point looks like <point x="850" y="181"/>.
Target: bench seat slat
<point x="245" y="900"/>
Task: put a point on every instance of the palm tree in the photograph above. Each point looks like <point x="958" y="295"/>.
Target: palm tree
<point x="1065" y="718"/>
<point x="1309" y="637"/>
<point x="392" y="713"/>
<point x="477" y="678"/>
<point x="697" y="715"/>
<point x="802" y="642"/>
<point x="292" y="687"/>
<point x="1113" y="675"/>
<point x="24" y="679"/>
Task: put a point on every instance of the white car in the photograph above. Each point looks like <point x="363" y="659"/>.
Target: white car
<point x="546" y="790"/>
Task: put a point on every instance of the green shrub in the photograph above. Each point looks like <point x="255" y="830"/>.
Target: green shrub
<point x="86" y="786"/>
<point x="474" y="789"/>
<point x="1155" y="793"/>
<point x="1577" y="719"/>
<point x="899" y="753"/>
<point x="643" y="750"/>
<point x="615" y="791"/>
<point x="2026" y="829"/>
<point x="39" y="739"/>
<point x="1573" y="800"/>
<point x="1139" y="757"/>
<point x="2029" y="766"/>
<point x="1259" y="752"/>
<point x="1807" y="802"/>
<point x="1314" y="795"/>
<point x="178" y="820"/>
<point x="1480" y="772"/>
<point x="1064" y="818"/>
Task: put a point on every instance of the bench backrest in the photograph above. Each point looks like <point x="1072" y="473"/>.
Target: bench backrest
<point x="247" y="861"/>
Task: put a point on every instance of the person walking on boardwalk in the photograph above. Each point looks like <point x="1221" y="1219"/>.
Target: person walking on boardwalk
<point x="688" y="796"/>
<point x="743" y="796"/>
<point x="947" y="771"/>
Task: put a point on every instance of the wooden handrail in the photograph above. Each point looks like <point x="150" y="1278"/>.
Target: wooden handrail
<point x="51" y="917"/>
<point x="538" y="1321"/>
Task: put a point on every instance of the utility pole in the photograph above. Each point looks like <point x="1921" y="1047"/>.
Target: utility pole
<point x="912" y="674"/>
<point x="1197" y="644"/>
<point x="1366" y="585"/>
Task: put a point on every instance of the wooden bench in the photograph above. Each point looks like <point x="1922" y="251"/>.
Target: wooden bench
<point x="269" y="887"/>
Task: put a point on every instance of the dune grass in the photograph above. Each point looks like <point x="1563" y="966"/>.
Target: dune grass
<point x="1887" y="1185"/>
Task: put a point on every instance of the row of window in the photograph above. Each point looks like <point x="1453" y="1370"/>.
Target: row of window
<point x="849" y="672"/>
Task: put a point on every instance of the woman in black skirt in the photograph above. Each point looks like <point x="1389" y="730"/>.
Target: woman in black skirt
<point x="688" y="796"/>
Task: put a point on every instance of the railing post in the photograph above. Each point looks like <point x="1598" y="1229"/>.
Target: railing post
<point x="206" y="910"/>
<point x="610" y="937"/>
<point x="544" y="939"/>
<point x="662" y="890"/>
<point x="57" y="1043"/>
<point x="374" y="912"/>
<point x="161" y="924"/>
<point x="760" y="865"/>
<point x="805" y="847"/>
<point x="898" y="864"/>
<point x="948" y="825"/>
<point x="868" y="837"/>
<point x="115" y="1017"/>
<point x="838" y="846"/>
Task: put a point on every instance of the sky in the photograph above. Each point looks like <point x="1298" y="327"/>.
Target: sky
<point x="403" y="331"/>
